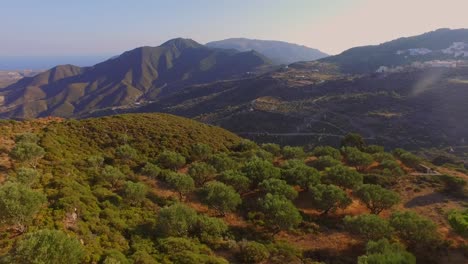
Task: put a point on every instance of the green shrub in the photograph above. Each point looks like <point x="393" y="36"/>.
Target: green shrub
<point x="280" y="213"/>
<point x="454" y="185"/>
<point x="274" y="149"/>
<point x="415" y="229"/>
<point x="221" y="197"/>
<point x="343" y="176"/>
<point x="200" y="152"/>
<point x="324" y="162"/>
<point x="289" y="152"/>
<point x="382" y="252"/>
<point x="222" y="162"/>
<point x="236" y="179"/>
<point x="176" y="220"/>
<point x="459" y="222"/>
<point x="278" y="187"/>
<point x="321" y="151"/>
<point x="182" y="183"/>
<point x="252" y="252"/>
<point x="151" y="170"/>
<point x="258" y="170"/>
<point x="377" y="198"/>
<point x="369" y="226"/>
<point x="328" y="198"/>
<point x="301" y="175"/>
<point x="201" y="173"/>
<point x="170" y="160"/>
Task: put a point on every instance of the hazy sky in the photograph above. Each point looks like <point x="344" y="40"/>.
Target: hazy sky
<point x="62" y="27"/>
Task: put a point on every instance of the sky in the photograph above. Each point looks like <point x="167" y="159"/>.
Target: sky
<point x="109" y="27"/>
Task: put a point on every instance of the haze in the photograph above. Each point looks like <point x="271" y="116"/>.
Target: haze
<point x="57" y="28"/>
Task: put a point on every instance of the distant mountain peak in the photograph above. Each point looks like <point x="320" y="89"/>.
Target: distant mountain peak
<point x="182" y="43"/>
<point x="277" y="51"/>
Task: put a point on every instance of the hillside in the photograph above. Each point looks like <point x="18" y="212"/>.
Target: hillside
<point x="442" y="44"/>
<point x="137" y="75"/>
<point x="156" y="188"/>
<point x="418" y="108"/>
<point x="278" y="51"/>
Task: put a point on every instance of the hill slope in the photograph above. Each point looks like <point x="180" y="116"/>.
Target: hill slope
<point x="413" y="109"/>
<point x="442" y="44"/>
<point x="139" y="74"/>
<point x="278" y="51"/>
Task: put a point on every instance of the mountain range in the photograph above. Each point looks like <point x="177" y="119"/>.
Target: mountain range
<point x="409" y="92"/>
<point x="278" y="51"/>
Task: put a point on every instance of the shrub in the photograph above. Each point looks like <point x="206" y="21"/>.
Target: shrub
<point x="369" y="226"/>
<point x="135" y="192"/>
<point x="343" y="176"/>
<point x="151" y="170"/>
<point x="182" y="183"/>
<point x="48" y="246"/>
<point x="126" y="152"/>
<point x="200" y="152"/>
<point x="209" y="229"/>
<point x="321" y="151"/>
<point x="27" y="152"/>
<point x="201" y="173"/>
<point x="353" y="140"/>
<point x="358" y="159"/>
<point x="284" y="252"/>
<point x="280" y="213"/>
<point x="324" y="162"/>
<point x="377" y="198"/>
<point x="274" y="149"/>
<point x="383" y="251"/>
<point x="222" y="162"/>
<point x="252" y="252"/>
<point x="112" y="175"/>
<point x="414" y="229"/>
<point x="293" y="152"/>
<point x="176" y="220"/>
<point x="170" y="160"/>
<point x="459" y="222"/>
<point x="236" y="179"/>
<point x="221" y="197"/>
<point x="258" y="170"/>
<point x="328" y="198"/>
<point x="410" y="160"/>
<point x="278" y="187"/>
<point x="19" y="204"/>
<point x="27" y="176"/>
<point x="301" y="175"/>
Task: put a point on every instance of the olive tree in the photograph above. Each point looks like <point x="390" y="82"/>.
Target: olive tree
<point x="343" y="176"/>
<point x="328" y="198"/>
<point x="221" y="197"/>
<point x="377" y="198"/>
<point x="19" y="204"/>
<point x="280" y="213"/>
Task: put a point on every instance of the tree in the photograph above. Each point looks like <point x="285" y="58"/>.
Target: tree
<point x="328" y="198"/>
<point x="383" y="252"/>
<point x="324" y="162"/>
<point x="135" y="192"/>
<point x="245" y="145"/>
<point x="200" y="152"/>
<point x="258" y="170"/>
<point x="414" y="229"/>
<point x="301" y="175"/>
<point x="372" y="149"/>
<point x="377" y="198"/>
<point x="27" y="152"/>
<point x="358" y="159"/>
<point x="170" y="160"/>
<point x="369" y="226"/>
<point x="321" y="151"/>
<point x="222" y="162"/>
<point x="353" y="140"/>
<point x="274" y="149"/>
<point x="343" y="177"/>
<point x="410" y="160"/>
<point x="293" y="152"/>
<point x="126" y="153"/>
<point x="182" y="183"/>
<point x="27" y="176"/>
<point x="280" y="213"/>
<point x="151" y="170"/>
<point x="95" y="161"/>
<point x="48" y="246"/>
<point x="176" y="220"/>
<point x="252" y="252"/>
<point x="221" y="197"/>
<point x="201" y="173"/>
<point x="236" y="179"/>
<point x="112" y="175"/>
<point x="278" y="187"/>
<point x="19" y="204"/>
<point x="209" y="229"/>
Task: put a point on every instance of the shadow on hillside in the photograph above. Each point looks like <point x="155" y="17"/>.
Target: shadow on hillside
<point x="427" y="199"/>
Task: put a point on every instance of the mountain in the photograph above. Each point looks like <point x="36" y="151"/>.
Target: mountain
<point x="140" y="74"/>
<point x="415" y="109"/>
<point x="278" y="51"/>
<point x="441" y="44"/>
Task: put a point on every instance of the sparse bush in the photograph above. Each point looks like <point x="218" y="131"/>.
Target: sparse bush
<point x="200" y="152"/>
<point x="383" y="251"/>
<point x="377" y="198"/>
<point x="415" y="229"/>
<point x="369" y="226"/>
<point x="328" y="198"/>
<point x="459" y="222"/>
<point x="252" y="252"/>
